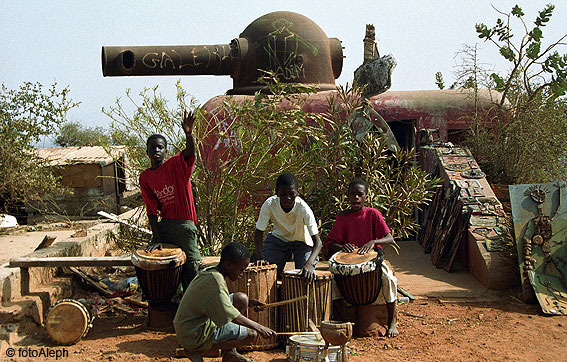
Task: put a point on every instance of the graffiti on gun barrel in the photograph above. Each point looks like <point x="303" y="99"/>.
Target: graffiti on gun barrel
<point x="198" y="56"/>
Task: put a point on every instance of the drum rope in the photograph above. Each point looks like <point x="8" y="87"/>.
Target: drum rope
<point x="315" y="300"/>
<point x="307" y="308"/>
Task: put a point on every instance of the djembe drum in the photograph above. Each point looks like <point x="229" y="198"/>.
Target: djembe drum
<point x="68" y="321"/>
<point x="359" y="278"/>
<point x="259" y="282"/>
<point x="295" y="317"/>
<point x="159" y="273"/>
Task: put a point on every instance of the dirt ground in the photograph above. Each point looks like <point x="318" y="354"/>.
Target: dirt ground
<point x="430" y="330"/>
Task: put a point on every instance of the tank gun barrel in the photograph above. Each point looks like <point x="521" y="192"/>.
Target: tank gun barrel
<point x="167" y="60"/>
<point x="288" y="44"/>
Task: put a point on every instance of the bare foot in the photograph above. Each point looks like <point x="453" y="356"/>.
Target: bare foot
<point x="392" y="330"/>
<point x="233" y="356"/>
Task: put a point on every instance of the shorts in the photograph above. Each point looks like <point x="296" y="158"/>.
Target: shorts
<point x="229" y="332"/>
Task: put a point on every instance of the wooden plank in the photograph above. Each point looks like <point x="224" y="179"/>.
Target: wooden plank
<point x="69" y="261"/>
<point x="47" y="241"/>
<point x="117" y="219"/>
<point x="460" y="238"/>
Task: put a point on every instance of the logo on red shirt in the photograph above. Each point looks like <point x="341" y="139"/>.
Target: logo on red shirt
<point x="166" y="194"/>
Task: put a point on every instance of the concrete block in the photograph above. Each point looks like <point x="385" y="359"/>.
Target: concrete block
<point x="489" y="267"/>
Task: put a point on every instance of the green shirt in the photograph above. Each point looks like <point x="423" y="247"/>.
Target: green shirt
<point x="205" y="306"/>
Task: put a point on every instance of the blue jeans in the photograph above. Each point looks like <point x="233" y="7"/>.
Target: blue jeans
<point x="278" y="251"/>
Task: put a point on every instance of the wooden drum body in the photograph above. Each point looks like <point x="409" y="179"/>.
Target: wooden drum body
<point x="159" y="273"/>
<point x="358" y="276"/>
<point x="68" y="321"/>
<point x="259" y="282"/>
<point x="295" y="316"/>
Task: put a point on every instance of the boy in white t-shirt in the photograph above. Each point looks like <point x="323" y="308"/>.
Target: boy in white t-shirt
<point x="295" y="229"/>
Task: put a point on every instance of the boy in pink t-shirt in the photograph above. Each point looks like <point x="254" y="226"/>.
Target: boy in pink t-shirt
<point x="364" y="228"/>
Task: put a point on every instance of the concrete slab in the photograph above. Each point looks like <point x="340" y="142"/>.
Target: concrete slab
<point x="17" y="245"/>
<point x="417" y="275"/>
<point x="420" y="277"/>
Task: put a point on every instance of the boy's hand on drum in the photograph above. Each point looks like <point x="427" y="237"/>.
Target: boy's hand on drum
<point x="308" y="273"/>
<point x="153" y="246"/>
<point x="348" y="248"/>
<point x="261" y="262"/>
<point x="256" y="304"/>
<point x="366" y="247"/>
<point x="265" y="332"/>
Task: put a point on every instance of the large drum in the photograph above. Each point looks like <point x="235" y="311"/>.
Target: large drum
<point x="259" y="282"/>
<point x="358" y="276"/>
<point x="68" y="321"/>
<point x="317" y="307"/>
<point x="303" y="348"/>
<point x="159" y="273"/>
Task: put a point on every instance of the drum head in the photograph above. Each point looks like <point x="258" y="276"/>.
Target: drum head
<point x="354" y="258"/>
<point x="307" y="339"/>
<point x="67" y="321"/>
<point x="168" y="251"/>
<point x="169" y="256"/>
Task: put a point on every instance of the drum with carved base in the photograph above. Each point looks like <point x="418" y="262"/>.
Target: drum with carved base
<point x="358" y="276"/>
<point x="159" y="273"/>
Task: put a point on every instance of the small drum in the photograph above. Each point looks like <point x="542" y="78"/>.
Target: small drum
<point x="295" y="316"/>
<point x="307" y="348"/>
<point x="358" y="276"/>
<point x="68" y="321"/>
<point x="159" y="273"/>
<point x="259" y="282"/>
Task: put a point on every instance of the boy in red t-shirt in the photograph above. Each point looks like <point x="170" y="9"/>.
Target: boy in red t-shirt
<point x="166" y="188"/>
<point x="364" y="228"/>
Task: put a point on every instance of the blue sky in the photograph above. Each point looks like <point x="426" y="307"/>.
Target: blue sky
<point x="61" y="40"/>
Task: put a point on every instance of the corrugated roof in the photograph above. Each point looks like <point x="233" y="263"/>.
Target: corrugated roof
<point x="81" y="155"/>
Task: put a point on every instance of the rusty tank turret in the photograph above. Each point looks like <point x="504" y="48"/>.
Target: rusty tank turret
<point x="289" y="44"/>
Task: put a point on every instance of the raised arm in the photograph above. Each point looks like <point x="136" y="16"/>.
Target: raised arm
<point x="188" y="123"/>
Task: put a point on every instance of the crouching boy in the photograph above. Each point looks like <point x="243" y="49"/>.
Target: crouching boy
<point x="209" y="317"/>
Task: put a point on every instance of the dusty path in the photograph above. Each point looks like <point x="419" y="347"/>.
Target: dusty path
<point x="503" y="330"/>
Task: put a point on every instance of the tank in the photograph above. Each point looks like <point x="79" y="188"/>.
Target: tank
<point x="289" y="44"/>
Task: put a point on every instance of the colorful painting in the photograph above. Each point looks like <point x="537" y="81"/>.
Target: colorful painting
<point x="540" y="228"/>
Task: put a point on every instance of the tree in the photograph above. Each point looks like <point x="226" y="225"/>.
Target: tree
<point x="256" y="138"/>
<point x="74" y="134"/>
<point x="524" y="141"/>
<point x="27" y="114"/>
